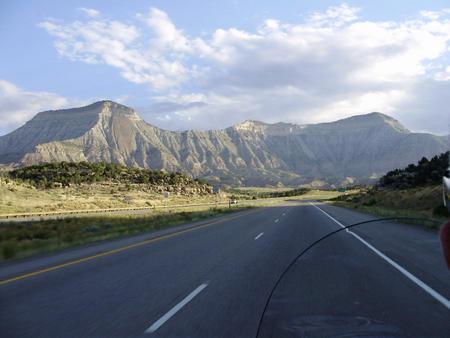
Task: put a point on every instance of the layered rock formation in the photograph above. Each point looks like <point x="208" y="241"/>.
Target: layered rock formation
<point x="249" y="153"/>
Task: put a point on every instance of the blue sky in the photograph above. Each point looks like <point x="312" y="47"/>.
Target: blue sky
<point x="209" y="64"/>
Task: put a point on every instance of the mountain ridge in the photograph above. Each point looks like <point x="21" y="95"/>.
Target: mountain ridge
<point x="125" y="110"/>
<point x="251" y="152"/>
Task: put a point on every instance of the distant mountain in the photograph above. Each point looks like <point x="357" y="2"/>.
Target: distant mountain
<point x="250" y="153"/>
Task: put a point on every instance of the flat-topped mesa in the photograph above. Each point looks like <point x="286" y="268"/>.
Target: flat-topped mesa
<point x="105" y="107"/>
<point x="251" y="152"/>
<point x="371" y="120"/>
<point x="63" y="124"/>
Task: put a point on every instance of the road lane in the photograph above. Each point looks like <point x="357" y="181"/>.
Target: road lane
<point x="239" y="287"/>
<point x="414" y="247"/>
<point x="20" y="269"/>
<point x="125" y="293"/>
<point x="341" y="287"/>
<point x="425" y="287"/>
<point x="129" y="288"/>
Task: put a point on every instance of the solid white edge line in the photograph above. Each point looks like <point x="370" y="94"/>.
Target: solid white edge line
<point x="257" y="237"/>
<point x="433" y="293"/>
<point x="156" y="325"/>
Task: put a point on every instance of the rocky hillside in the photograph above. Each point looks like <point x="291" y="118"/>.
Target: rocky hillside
<point x="250" y="153"/>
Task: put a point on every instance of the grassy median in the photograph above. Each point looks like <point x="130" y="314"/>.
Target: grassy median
<point x="23" y="239"/>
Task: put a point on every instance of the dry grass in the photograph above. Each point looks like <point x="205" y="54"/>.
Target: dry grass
<point x="25" y="238"/>
<point x="322" y="195"/>
<point x="17" y="198"/>
<point x="21" y="198"/>
<point x="261" y="189"/>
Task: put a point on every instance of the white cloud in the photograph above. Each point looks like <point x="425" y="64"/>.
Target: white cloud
<point x="331" y="64"/>
<point x="443" y="74"/>
<point x="335" y="16"/>
<point x="117" y="44"/>
<point x="90" y="12"/>
<point x="165" y="35"/>
<point x="17" y="105"/>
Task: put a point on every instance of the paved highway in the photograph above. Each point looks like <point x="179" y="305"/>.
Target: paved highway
<point x="213" y="279"/>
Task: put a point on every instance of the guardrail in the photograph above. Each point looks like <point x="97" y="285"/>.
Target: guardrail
<point x="95" y="211"/>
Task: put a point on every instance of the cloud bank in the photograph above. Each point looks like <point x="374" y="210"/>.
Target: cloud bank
<point x="17" y="105"/>
<point x="326" y="66"/>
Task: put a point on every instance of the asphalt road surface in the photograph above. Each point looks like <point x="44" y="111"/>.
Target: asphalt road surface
<point x="213" y="279"/>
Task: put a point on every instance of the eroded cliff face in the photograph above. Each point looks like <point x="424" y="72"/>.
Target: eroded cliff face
<point x="251" y="152"/>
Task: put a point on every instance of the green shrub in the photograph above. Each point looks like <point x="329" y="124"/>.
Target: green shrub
<point x="65" y="173"/>
<point x="92" y="228"/>
<point x="441" y="211"/>
<point x="9" y="249"/>
<point x="425" y="172"/>
<point x="370" y="202"/>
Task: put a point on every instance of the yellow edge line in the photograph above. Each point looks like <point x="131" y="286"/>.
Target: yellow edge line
<point x="114" y="251"/>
